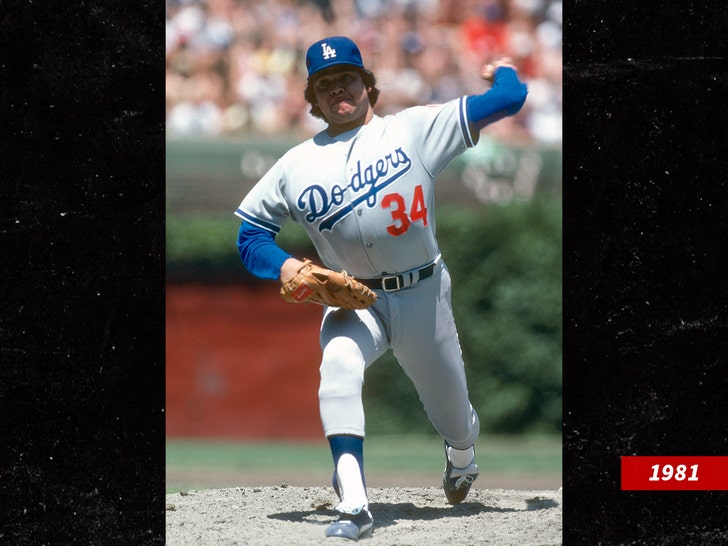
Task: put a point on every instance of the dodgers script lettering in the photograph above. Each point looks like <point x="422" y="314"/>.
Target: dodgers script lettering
<point x="364" y="185"/>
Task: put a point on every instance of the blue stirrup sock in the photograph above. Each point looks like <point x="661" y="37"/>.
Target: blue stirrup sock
<point x="348" y="455"/>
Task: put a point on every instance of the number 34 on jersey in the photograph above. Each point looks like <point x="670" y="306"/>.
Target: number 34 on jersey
<point x="405" y="214"/>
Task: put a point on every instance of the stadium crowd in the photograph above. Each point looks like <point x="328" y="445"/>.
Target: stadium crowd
<point x="237" y="66"/>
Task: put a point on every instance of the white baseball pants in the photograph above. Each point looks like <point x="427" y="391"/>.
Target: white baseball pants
<point x="417" y="324"/>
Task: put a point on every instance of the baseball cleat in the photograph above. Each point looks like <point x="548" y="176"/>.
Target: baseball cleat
<point x="457" y="481"/>
<point x="352" y="523"/>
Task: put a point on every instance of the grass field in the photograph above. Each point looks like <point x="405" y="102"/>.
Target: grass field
<point x="406" y="454"/>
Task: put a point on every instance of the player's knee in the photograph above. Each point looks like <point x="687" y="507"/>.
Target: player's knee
<point x="343" y="355"/>
<point x="342" y="369"/>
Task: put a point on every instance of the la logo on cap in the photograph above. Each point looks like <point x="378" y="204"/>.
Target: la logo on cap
<point x="328" y="51"/>
<point x="332" y="51"/>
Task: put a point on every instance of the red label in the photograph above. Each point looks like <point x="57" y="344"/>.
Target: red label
<point x="302" y="292"/>
<point x="674" y="473"/>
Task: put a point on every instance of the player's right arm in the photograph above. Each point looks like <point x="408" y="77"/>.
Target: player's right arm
<point x="259" y="252"/>
<point x="290" y="269"/>
<point x="262" y="256"/>
<point x="263" y="211"/>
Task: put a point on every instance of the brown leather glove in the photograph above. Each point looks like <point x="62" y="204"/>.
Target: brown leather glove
<point x="314" y="284"/>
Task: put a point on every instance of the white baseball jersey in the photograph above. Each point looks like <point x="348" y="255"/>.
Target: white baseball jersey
<point x="365" y="197"/>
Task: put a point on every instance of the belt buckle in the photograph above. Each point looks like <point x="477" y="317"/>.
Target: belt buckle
<point x="398" y="280"/>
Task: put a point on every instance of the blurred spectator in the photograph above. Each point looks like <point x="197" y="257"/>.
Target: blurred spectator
<point x="236" y="66"/>
<point x="197" y="111"/>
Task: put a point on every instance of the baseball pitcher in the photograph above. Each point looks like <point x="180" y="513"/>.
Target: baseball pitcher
<point x="363" y="190"/>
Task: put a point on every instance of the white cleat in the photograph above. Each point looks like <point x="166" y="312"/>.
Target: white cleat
<point x="456" y="482"/>
<point x="352" y="523"/>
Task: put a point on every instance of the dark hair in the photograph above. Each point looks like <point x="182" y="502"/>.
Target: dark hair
<point x="367" y="76"/>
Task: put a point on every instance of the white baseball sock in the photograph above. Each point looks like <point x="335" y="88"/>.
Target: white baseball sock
<point x="461" y="458"/>
<point x="353" y="493"/>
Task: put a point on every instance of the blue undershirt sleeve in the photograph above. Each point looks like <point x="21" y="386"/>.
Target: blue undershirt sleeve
<point x="505" y="98"/>
<point x="259" y="252"/>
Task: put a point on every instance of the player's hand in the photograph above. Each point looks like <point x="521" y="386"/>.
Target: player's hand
<point x="488" y="70"/>
<point x="290" y="269"/>
<point x="314" y="284"/>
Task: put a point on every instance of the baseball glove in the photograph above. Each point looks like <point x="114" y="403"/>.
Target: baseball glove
<point x="314" y="284"/>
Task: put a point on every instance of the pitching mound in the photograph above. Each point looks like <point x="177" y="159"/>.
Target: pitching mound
<point x="286" y="515"/>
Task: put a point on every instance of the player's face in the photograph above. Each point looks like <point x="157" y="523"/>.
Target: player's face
<point x="343" y="99"/>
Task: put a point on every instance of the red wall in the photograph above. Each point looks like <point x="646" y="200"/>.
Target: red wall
<point x="241" y="363"/>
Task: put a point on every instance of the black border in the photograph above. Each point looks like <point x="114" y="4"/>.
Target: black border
<point x="645" y="228"/>
<point x="82" y="234"/>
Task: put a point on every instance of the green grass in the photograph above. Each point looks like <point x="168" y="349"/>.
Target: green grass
<point x="247" y="455"/>
<point x="526" y="454"/>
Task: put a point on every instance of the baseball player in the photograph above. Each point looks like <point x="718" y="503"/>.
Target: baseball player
<point x="363" y="191"/>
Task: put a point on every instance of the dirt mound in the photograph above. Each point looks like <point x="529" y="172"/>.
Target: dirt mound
<point x="290" y="515"/>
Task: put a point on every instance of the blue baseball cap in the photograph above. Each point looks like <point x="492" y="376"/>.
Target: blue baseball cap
<point x="332" y="51"/>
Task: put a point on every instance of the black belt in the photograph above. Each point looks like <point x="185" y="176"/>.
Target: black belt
<point x="392" y="283"/>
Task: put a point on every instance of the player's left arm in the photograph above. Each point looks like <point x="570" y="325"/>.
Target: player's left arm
<point x="505" y="98"/>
